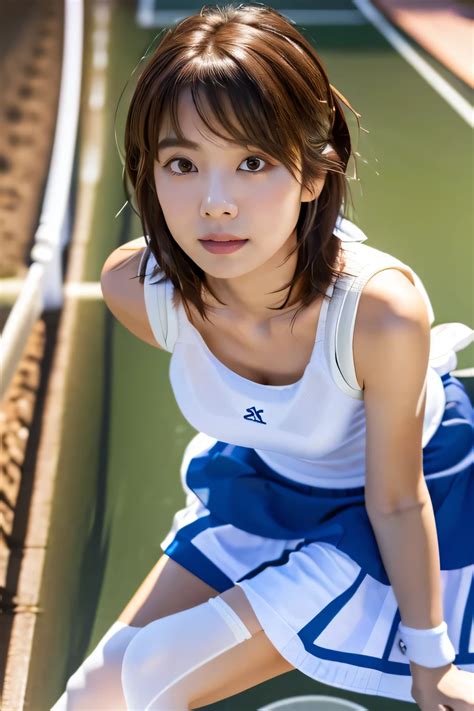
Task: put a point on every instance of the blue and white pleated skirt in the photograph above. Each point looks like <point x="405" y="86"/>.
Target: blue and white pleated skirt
<point x="308" y="561"/>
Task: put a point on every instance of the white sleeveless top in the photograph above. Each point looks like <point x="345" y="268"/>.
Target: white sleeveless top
<point x="312" y="431"/>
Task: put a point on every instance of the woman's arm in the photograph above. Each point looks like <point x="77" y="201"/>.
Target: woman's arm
<point x="391" y="350"/>
<point x="408" y="546"/>
<point x="395" y="352"/>
<point x="122" y="291"/>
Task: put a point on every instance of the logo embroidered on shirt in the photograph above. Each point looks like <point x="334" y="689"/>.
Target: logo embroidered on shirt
<point x="254" y="415"/>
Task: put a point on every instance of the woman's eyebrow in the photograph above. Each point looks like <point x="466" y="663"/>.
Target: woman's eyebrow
<point x="173" y="141"/>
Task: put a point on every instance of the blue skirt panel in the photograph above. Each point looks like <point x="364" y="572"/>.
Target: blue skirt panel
<point x="308" y="561"/>
<point x="238" y="487"/>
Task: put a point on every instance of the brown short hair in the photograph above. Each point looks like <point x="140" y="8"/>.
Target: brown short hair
<point x="254" y="58"/>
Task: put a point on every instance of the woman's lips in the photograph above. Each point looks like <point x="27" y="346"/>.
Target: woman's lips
<point x="223" y="247"/>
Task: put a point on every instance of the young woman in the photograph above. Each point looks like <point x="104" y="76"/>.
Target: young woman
<point x="328" y="522"/>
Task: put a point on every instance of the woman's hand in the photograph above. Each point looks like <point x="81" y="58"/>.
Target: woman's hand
<point x="443" y="688"/>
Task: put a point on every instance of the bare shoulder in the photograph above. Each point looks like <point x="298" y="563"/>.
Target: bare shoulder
<point x="389" y="304"/>
<point x="125" y="253"/>
<point x="122" y="291"/>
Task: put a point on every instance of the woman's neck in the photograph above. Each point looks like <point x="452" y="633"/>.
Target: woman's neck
<point x="249" y="296"/>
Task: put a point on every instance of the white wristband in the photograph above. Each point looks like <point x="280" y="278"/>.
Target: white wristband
<point x="429" y="648"/>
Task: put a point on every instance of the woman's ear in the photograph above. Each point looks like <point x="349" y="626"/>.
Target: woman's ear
<point x="316" y="186"/>
<point x="314" y="191"/>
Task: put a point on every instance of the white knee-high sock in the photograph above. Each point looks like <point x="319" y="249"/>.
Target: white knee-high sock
<point x="96" y="684"/>
<point x="161" y="656"/>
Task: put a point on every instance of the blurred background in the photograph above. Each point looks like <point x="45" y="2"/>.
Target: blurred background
<point x="91" y="436"/>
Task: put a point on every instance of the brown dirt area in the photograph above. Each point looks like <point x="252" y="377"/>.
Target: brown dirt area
<point x="442" y="27"/>
<point x="31" y="36"/>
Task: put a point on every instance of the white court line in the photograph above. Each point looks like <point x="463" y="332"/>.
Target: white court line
<point x="457" y="102"/>
<point x="83" y="290"/>
<point x="463" y="373"/>
<point x="147" y="16"/>
<point x="10" y="288"/>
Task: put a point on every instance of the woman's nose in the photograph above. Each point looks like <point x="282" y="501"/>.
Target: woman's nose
<point x="215" y="206"/>
<point x="215" y="202"/>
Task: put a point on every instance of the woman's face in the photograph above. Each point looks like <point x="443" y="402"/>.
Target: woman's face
<point x="221" y="187"/>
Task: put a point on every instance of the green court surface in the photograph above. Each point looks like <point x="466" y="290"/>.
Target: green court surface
<point x="123" y="436"/>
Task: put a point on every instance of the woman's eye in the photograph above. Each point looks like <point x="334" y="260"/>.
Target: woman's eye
<point x="252" y="160"/>
<point x="178" y="160"/>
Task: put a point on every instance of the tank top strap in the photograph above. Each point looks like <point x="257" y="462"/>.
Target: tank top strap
<point x="361" y="263"/>
<point x="158" y="294"/>
<point x="323" y="313"/>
